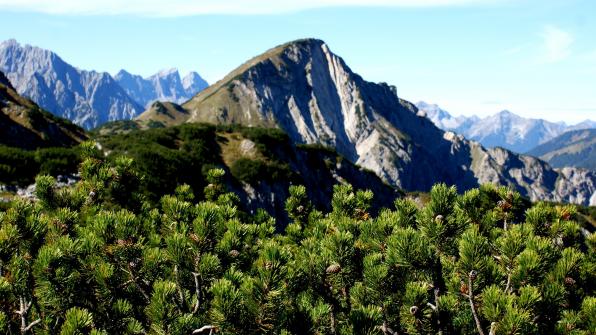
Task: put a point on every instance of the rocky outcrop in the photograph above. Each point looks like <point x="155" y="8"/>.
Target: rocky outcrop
<point x="310" y="93"/>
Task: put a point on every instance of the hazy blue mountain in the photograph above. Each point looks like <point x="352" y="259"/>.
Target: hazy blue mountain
<point x="310" y="93"/>
<point x="166" y="85"/>
<point x="573" y="148"/>
<point x="88" y="98"/>
<point x="504" y="129"/>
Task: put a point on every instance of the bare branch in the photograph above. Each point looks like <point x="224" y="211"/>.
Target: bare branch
<point x="493" y="328"/>
<point x="197" y="292"/>
<point x="31" y="325"/>
<point x="210" y="328"/>
<point x="24" y="307"/>
<point x="386" y="330"/>
<point x="471" y="277"/>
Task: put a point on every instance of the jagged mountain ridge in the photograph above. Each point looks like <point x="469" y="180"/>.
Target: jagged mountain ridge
<point x="24" y="125"/>
<point x="166" y="85"/>
<point x="87" y="98"/>
<point x="504" y="129"/>
<point x="576" y="148"/>
<point x="310" y="93"/>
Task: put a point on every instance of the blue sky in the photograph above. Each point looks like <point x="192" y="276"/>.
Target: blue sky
<point x="535" y="58"/>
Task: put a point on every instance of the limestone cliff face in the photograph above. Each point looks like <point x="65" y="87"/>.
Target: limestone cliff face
<point x="309" y="92"/>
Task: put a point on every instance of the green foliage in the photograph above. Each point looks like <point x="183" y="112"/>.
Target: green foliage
<point x="18" y="166"/>
<point x="98" y="258"/>
<point x="167" y="157"/>
<point x="254" y="170"/>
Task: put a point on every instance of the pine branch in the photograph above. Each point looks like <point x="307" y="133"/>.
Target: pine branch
<point x="493" y="328"/>
<point x="26" y="329"/>
<point x="471" y="277"/>
<point x="508" y="285"/>
<point x="178" y="287"/>
<point x="133" y="280"/>
<point x="332" y="317"/>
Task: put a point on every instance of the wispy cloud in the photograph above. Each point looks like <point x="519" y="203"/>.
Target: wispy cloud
<point x="557" y="44"/>
<point x="197" y="7"/>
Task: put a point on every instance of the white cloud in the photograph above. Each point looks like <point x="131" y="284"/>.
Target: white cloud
<point x="197" y="7"/>
<point x="557" y="44"/>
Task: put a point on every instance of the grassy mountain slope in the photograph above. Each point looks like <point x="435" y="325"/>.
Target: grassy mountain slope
<point x="24" y="125"/>
<point x="167" y="113"/>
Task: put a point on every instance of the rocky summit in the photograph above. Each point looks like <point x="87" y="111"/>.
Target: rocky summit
<point x="310" y="93"/>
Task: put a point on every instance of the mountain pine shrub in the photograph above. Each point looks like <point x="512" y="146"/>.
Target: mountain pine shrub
<point x="99" y="258"/>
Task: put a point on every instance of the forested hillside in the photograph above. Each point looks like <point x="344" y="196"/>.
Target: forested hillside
<point x="98" y="258"/>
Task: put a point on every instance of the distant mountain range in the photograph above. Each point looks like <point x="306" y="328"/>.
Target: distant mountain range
<point x="24" y="125"/>
<point x="88" y="98"/>
<point x="573" y="148"/>
<point x="504" y="129"/>
<point x="310" y="93"/>
<point x="163" y="86"/>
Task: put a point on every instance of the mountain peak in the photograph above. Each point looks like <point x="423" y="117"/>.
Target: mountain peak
<point x="507" y="113"/>
<point x="310" y="93"/>
<point x="193" y="83"/>
<point x="306" y="41"/>
<point x="9" y="42"/>
<point x="167" y="72"/>
<point x="123" y="73"/>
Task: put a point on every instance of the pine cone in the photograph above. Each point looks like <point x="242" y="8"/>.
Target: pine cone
<point x="362" y="214"/>
<point x="569" y="281"/>
<point x="473" y="274"/>
<point x="333" y="268"/>
<point x="414" y="310"/>
<point x="504" y="205"/>
<point x="234" y="253"/>
<point x="194" y="237"/>
<point x="463" y="288"/>
<point x="565" y="215"/>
